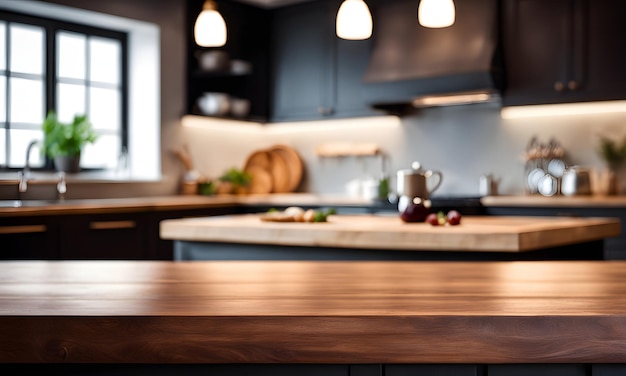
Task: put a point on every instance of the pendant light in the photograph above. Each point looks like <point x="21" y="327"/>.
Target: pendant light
<point x="354" y="21"/>
<point x="436" y="13"/>
<point x="210" y="28"/>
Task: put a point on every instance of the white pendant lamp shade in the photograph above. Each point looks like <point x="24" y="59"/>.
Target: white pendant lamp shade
<point x="354" y="21"/>
<point x="210" y="28"/>
<point x="436" y="13"/>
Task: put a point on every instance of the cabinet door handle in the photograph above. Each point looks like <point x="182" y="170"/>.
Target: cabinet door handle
<point x="325" y="110"/>
<point x="558" y="86"/>
<point x="25" y="229"/>
<point x="112" y="225"/>
<point x="572" y="85"/>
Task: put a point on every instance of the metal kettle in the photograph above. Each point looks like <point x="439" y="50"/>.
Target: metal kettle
<point x="416" y="182"/>
<point x="576" y="180"/>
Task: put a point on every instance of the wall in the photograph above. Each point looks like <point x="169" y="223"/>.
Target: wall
<point x="462" y="142"/>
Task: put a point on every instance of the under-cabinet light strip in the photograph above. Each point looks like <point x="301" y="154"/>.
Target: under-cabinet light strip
<point x="568" y="109"/>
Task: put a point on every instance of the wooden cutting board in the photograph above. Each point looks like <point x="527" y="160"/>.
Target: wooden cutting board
<point x="279" y="171"/>
<point x="261" y="182"/>
<point x="283" y="165"/>
<point x="476" y="233"/>
<point x="294" y="165"/>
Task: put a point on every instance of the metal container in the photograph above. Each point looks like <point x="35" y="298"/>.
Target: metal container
<point x="488" y="185"/>
<point x="576" y="180"/>
<point x="416" y="182"/>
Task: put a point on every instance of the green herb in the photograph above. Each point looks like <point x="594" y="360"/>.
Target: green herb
<point x="322" y="215"/>
<point x="383" y="188"/>
<point x="236" y="177"/>
<point x="66" y="139"/>
<point x="613" y="153"/>
<point x="207" y="188"/>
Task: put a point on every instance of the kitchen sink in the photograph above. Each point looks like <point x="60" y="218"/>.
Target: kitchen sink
<point x="29" y="203"/>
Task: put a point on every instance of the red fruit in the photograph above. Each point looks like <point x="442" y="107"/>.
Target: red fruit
<point x="433" y="219"/>
<point x="416" y="211"/>
<point x="454" y="217"/>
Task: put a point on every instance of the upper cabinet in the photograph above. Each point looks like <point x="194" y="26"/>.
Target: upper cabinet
<point x="561" y="51"/>
<point x="235" y="75"/>
<point x="289" y="65"/>
<point x="314" y="74"/>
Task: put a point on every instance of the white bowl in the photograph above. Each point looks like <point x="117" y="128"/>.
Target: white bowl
<point x="214" y="104"/>
<point x="240" y="66"/>
<point x="239" y="107"/>
<point x="213" y="61"/>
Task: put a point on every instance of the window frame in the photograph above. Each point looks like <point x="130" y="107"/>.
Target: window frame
<point x="51" y="27"/>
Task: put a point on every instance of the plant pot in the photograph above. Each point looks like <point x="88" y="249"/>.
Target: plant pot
<point x="67" y="163"/>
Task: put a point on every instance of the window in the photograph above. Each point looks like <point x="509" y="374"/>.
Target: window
<point x="73" y="69"/>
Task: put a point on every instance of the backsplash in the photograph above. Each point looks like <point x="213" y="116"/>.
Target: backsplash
<point x="462" y="142"/>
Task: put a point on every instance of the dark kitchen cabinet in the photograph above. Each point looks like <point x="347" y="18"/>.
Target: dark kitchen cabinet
<point x="104" y="237"/>
<point x="28" y="238"/>
<point x="163" y="249"/>
<point x="315" y="75"/>
<point x="562" y="51"/>
<point x="95" y="236"/>
<point x="247" y="41"/>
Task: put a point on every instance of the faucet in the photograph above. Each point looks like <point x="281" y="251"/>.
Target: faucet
<point x="61" y="186"/>
<point x="24" y="175"/>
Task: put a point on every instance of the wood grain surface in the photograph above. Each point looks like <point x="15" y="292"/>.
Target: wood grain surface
<point x="312" y="312"/>
<point x="294" y="165"/>
<point x="476" y="233"/>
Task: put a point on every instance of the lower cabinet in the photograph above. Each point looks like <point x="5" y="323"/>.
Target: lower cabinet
<point x="163" y="249"/>
<point x="29" y="238"/>
<point x="105" y="236"/>
<point x="320" y="369"/>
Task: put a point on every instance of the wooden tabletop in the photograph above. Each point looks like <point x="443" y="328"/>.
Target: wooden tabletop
<point x="475" y="233"/>
<point x="312" y="312"/>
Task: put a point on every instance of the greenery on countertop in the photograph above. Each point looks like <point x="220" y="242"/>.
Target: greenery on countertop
<point x="236" y="177"/>
<point x="66" y="139"/>
<point x="322" y="215"/>
<point x="613" y="153"/>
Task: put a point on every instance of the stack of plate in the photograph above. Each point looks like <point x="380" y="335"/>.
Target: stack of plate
<point x="277" y="169"/>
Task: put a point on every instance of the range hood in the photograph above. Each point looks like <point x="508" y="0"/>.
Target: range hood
<point x="412" y="66"/>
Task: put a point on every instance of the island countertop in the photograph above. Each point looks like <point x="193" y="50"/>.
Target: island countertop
<point x="475" y="233"/>
<point x="312" y="312"/>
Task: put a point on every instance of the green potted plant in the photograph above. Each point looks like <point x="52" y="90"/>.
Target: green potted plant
<point x="63" y="142"/>
<point x="235" y="181"/>
<point x="614" y="155"/>
<point x="612" y="152"/>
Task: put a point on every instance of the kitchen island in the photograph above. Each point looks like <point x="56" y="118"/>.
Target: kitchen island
<point x="313" y="318"/>
<point x="387" y="237"/>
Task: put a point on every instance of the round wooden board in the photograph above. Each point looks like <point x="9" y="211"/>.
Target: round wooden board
<point x="261" y="182"/>
<point x="259" y="158"/>
<point x="280" y="172"/>
<point x="294" y="165"/>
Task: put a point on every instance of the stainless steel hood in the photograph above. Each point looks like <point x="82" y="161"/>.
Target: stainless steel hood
<point x="412" y="66"/>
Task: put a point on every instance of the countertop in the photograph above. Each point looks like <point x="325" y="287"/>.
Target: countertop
<point x="554" y="201"/>
<point x="312" y="312"/>
<point x="156" y="203"/>
<point x="475" y="233"/>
